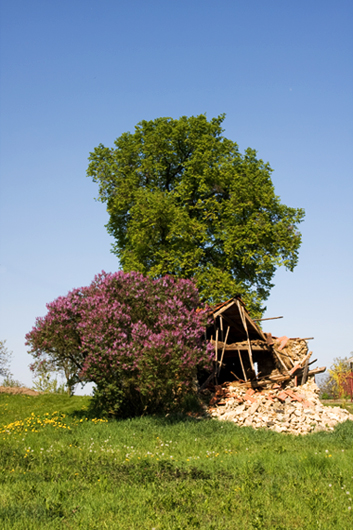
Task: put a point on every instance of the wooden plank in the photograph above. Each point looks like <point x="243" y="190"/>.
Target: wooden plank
<point x="306" y="358"/>
<point x="253" y="323"/>
<point x="241" y="311"/>
<point x="221" y="326"/>
<point x="317" y="371"/>
<point x="228" y="320"/>
<point x="306" y="368"/>
<point x="216" y="347"/>
<point x="295" y="369"/>
<point x="262" y="319"/>
<point x="280" y="360"/>
<point x="242" y="366"/>
<point x="235" y="375"/>
<point x="216" y="358"/>
<point x="312" y="362"/>
<point x="224" y="309"/>
<point x="224" y="347"/>
<point x="255" y="345"/>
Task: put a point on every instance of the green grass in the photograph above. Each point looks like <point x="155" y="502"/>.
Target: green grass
<point x="67" y="471"/>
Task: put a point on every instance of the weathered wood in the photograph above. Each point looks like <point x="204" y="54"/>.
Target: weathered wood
<point x="306" y="358"/>
<point x="306" y="368"/>
<point x="242" y="366"/>
<point x="208" y="380"/>
<point x="243" y="318"/>
<point x="255" y="345"/>
<point x="280" y="360"/>
<point x="224" y="347"/>
<point x="235" y="375"/>
<point x="262" y="319"/>
<point x="228" y="320"/>
<point x="312" y="362"/>
<point x="317" y="371"/>
<point x="216" y="358"/>
<point x="295" y="369"/>
<point x="216" y="347"/>
<point x="224" y="308"/>
<point x="221" y="327"/>
<point x="275" y="379"/>
<point x="288" y="357"/>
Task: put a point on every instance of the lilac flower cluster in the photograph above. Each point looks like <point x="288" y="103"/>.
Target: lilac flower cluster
<point x="143" y="336"/>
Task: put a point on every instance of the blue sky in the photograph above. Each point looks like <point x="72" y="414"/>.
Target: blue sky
<point x="78" y="73"/>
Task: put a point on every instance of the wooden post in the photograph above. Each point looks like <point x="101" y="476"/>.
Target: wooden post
<point x="306" y="369"/>
<point x="216" y="358"/>
<point x="280" y="360"/>
<point x="216" y="347"/>
<point x="224" y="348"/>
<point x="242" y="366"/>
<point x="261" y="319"/>
<point x="243" y="319"/>
<point x="221" y="326"/>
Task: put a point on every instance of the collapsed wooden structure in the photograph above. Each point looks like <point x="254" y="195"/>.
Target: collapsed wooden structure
<point x="244" y="353"/>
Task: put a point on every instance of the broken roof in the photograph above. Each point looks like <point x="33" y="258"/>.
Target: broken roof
<point x="236" y="316"/>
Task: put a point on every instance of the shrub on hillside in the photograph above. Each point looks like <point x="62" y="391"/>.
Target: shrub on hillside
<point x="141" y="341"/>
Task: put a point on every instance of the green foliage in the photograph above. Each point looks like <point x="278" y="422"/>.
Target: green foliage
<point x="45" y="383"/>
<point x="5" y="356"/>
<point x="120" y="474"/>
<point x="140" y="340"/>
<point x="44" y="368"/>
<point x="5" y="359"/>
<point x="329" y="384"/>
<point x="10" y="382"/>
<point x="184" y="201"/>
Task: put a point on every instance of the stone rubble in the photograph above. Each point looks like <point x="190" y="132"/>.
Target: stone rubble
<point x="295" y="410"/>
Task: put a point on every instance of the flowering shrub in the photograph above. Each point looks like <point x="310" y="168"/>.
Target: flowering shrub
<point x="139" y="340"/>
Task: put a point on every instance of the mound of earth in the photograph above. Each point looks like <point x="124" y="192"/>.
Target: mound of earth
<point x="19" y="390"/>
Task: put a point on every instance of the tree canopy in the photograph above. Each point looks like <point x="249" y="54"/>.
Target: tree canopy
<point x="184" y="201"/>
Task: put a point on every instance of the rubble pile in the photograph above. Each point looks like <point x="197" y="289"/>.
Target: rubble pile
<point x="260" y="380"/>
<point x="295" y="410"/>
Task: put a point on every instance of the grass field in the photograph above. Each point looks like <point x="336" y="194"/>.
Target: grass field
<point x="61" y="469"/>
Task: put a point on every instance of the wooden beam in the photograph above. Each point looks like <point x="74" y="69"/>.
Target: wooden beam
<point x="317" y="371"/>
<point x="306" y="368"/>
<point x="253" y="324"/>
<point x="280" y="360"/>
<point x="255" y="345"/>
<point x="224" y="308"/>
<point x="306" y="358"/>
<point x="228" y="320"/>
<point x="221" y="326"/>
<point x="216" y="347"/>
<point x="242" y="366"/>
<point x="243" y="318"/>
<point x="262" y="319"/>
<point x="224" y="347"/>
<point x="216" y="358"/>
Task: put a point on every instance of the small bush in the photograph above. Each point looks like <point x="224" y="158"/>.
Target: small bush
<point x="141" y="341"/>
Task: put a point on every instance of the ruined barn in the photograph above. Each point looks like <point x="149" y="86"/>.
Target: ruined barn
<point x="246" y="354"/>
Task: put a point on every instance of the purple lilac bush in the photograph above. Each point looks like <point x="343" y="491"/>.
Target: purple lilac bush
<point x="141" y="341"/>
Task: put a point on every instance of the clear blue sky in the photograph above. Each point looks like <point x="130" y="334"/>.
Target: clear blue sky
<point x="81" y="72"/>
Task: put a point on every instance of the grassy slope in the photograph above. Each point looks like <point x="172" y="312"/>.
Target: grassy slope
<point x="165" y="473"/>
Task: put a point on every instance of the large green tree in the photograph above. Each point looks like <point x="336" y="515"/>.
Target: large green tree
<point x="184" y="201"/>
